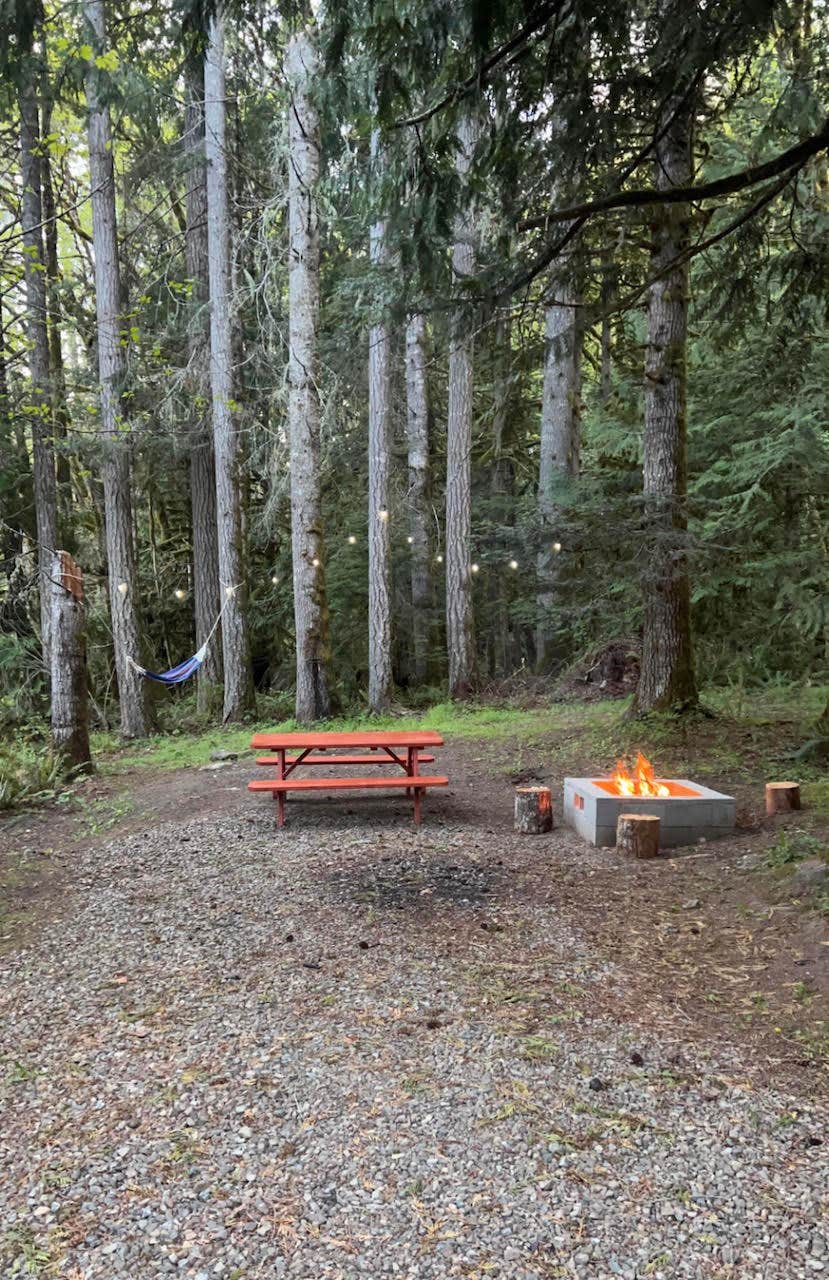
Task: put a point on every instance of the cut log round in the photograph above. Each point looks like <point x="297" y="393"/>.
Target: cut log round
<point x="781" y="797"/>
<point x="637" y="835"/>
<point x="533" y="810"/>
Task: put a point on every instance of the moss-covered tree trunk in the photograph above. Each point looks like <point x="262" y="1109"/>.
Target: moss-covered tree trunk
<point x="206" y="595"/>
<point x="238" y="679"/>
<point x="417" y="445"/>
<point x="38" y="406"/>
<point x="313" y="699"/>
<point x="667" y="679"/>
<point x="460" y="640"/>
<point x="114" y="429"/>
<point x="379" y="471"/>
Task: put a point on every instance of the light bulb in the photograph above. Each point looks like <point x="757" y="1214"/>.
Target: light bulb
<point x="382" y="514"/>
<point x="179" y="594"/>
<point x="556" y="547"/>
<point x="410" y="539"/>
<point x="275" y="580"/>
<point x="229" y="591"/>
<point x="351" y="540"/>
<point x="474" y="568"/>
<point x="122" y="588"/>
<point x="439" y="559"/>
<point x="513" y="564"/>
<point x="315" y="562"/>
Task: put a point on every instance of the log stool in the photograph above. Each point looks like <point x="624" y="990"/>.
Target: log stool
<point x="637" y="835"/>
<point x="782" y="797"/>
<point x="533" y="810"/>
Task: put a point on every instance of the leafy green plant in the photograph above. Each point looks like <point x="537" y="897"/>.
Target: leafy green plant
<point x="27" y="775"/>
<point x="792" y="846"/>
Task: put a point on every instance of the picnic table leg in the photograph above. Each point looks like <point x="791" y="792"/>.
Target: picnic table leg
<point x="414" y="768"/>
<point x="280" y="795"/>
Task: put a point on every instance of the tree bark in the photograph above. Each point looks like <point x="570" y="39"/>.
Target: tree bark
<point x="459" y="622"/>
<point x="206" y="596"/>
<point x="533" y="810"/>
<point x="238" y="680"/>
<point x="560" y="440"/>
<point x="379" y="411"/>
<point x="70" y="719"/>
<point x="39" y="406"/>
<point x="114" y="429"/>
<point x="60" y="408"/>
<point x="417" y="443"/>
<point x="313" y="700"/>
<point x="667" y="677"/>
<point x="782" y="797"/>
<point x="637" y="835"/>
<point x="502" y="486"/>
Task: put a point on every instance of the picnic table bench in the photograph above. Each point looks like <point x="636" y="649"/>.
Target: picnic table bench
<point x="402" y="748"/>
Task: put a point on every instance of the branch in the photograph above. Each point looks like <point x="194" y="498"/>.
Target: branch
<point x="771" y="192"/>
<point x="787" y="162"/>
<point x="536" y="22"/>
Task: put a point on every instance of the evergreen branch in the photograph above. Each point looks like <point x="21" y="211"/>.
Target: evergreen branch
<point x="787" y="162"/>
<point x="770" y="193"/>
<point x="537" y="21"/>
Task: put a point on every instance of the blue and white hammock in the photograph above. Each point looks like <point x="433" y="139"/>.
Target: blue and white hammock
<point x="189" y="667"/>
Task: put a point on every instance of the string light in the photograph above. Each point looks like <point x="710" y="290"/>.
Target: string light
<point x="122" y="588"/>
<point x="410" y="539"/>
<point x="275" y="580"/>
<point x="315" y="562"/>
<point x="229" y="591"/>
<point x="474" y="568"/>
<point x="556" y="547"/>
<point x="351" y="540"/>
<point x="439" y="559"/>
<point x="179" y="594"/>
<point x="513" y="564"/>
<point x="383" y="514"/>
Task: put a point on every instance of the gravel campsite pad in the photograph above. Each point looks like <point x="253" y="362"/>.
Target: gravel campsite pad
<point x="355" y="1049"/>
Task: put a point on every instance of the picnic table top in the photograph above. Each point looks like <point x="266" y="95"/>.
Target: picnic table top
<point x="360" y="738"/>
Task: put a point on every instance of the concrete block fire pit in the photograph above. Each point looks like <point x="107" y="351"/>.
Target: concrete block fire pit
<point x="688" y="813"/>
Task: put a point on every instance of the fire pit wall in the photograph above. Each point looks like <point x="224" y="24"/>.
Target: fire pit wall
<point x="693" y="812"/>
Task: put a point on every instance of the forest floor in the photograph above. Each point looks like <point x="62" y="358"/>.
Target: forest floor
<point x="351" y="1048"/>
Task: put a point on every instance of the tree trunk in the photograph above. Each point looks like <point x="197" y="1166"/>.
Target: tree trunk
<point x="114" y="435"/>
<point x="533" y="811"/>
<point x="238" y="681"/>
<point x="637" y="835"/>
<point x="417" y="442"/>
<point x="60" y="409"/>
<point x="782" y="797"/>
<point x="70" y="719"/>
<point x="608" y="292"/>
<point x="206" y="599"/>
<point x="313" y="701"/>
<point x="502" y="486"/>
<point x="560" y="442"/>
<point x="379" y="411"/>
<point x="459" y="625"/>
<point x="39" y="407"/>
<point x="667" y="676"/>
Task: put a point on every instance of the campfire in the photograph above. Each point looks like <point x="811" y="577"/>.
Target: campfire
<point x="641" y="782"/>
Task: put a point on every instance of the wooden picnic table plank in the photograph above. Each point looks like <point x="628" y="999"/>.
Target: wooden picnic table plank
<point x="359" y="738"/>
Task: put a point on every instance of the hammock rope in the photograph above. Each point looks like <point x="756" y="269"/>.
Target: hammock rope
<point x="189" y="667"/>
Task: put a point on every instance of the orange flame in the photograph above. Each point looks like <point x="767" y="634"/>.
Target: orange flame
<point x="641" y="782"/>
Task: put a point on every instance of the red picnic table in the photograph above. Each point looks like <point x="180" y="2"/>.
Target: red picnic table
<point x="397" y="747"/>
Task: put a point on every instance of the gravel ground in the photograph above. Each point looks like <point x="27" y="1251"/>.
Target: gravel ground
<point x="352" y="1049"/>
